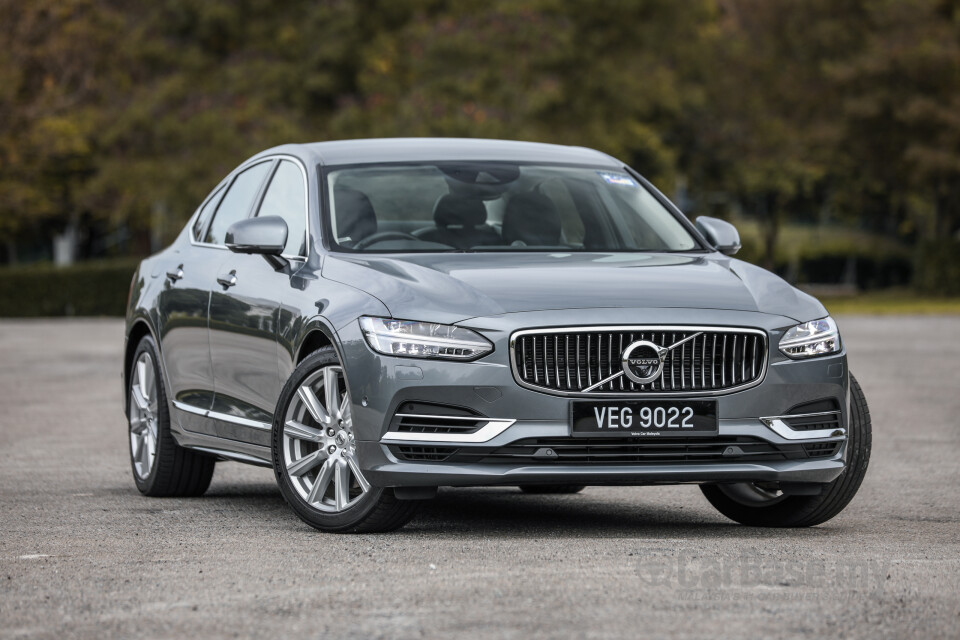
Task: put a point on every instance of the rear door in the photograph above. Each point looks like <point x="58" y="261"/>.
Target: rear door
<point x="182" y="308"/>
<point x="244" y="310"/>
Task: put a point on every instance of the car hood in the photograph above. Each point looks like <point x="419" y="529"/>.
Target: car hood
<point x="452" y="287"/>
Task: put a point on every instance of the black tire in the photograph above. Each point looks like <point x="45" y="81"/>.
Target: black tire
<point x="176" y="472"/>
<point x="376" y="512"/>
<point x="555" y="489"/>
<point x="807" y="511"/>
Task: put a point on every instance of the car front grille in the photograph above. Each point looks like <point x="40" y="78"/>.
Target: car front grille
<point x="574" y="360"/>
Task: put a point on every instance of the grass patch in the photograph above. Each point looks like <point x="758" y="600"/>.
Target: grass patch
<point x="891" y="302"/>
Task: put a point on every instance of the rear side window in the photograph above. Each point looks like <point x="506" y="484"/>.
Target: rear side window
<point x="205" y="214"/>
<point x="237" y="203"/>
<point x="285" y="197"/>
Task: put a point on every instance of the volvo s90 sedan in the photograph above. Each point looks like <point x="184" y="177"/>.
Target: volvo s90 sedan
<point x="375" y="319"/>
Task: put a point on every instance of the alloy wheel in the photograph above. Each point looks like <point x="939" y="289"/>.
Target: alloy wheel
<point x="319" y="446"/>
<point x="143" y="416"/>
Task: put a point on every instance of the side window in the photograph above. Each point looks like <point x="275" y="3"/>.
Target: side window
<point x="236" y="204"/>
<point x="286" y="198"/>
<point x="205" y="214"/>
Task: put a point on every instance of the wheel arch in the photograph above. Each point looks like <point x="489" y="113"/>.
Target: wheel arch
<point x="316" y="333"/>
<point x="138" y="329"/>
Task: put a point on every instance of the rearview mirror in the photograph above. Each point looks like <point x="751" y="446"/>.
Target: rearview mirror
<point x="721" y="234"/>
<point x="266" y="236"/>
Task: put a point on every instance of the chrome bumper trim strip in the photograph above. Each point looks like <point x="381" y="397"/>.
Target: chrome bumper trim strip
<point x="782" y="429"/>
<point x="487" y="432"/>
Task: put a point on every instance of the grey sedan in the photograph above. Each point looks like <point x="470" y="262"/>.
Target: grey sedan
<point x="375" y="319"/>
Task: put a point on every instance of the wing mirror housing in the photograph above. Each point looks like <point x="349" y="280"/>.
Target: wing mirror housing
<point x="266" y="236"/>
<point x="720" y="233"/>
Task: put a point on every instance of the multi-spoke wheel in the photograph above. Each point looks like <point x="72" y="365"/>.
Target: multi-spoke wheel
<point x="160" y="466"/>
<point x="315" y="454"/>
<point x="763" y="504"/>
<point x="143" y="416"/>
<point x="319" y="446"/>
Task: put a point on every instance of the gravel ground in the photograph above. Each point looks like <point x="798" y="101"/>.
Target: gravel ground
<point x="82" y="554"/>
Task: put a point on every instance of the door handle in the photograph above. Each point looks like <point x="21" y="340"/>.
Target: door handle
<point x="176" y="275"/>
<point x="228" y="280"/>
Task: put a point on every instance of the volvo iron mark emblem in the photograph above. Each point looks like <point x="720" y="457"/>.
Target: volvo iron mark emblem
<point x="643" y="361"/>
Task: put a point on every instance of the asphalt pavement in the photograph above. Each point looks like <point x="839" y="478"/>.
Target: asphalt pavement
<point x="83" y="554"/>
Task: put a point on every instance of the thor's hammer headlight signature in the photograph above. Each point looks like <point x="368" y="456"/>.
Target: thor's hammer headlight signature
<point x="412" y="339"/>
<point x="814" y="338"/>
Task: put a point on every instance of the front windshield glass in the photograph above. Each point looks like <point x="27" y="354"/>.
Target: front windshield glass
<point x="494" y="206"/>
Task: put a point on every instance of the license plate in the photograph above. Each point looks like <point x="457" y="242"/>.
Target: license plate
<point x="645" y="418"/>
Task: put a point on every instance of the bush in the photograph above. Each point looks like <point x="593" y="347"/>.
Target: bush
<point x="937" y="271"/>
<point x="85" y="289"/>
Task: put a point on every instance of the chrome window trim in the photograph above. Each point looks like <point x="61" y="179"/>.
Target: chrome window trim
<point x="487" y="432"/>
<point x="690" y="393"/>
<point x="227" y="182"/>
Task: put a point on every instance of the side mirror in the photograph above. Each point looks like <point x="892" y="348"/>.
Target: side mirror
<point x="722" y="235"/>
<point x="266" y="236"/>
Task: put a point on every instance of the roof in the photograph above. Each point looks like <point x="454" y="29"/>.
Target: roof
<point x="377" y="150"/>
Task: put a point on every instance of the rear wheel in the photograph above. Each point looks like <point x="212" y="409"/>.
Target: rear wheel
<point x="315" y="456"/>
<point x="765" y="505"/>
<point x="160" y="466"/>
<point x="552" y="488"/>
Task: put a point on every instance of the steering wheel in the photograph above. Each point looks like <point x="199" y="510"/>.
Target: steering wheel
<point x="383" y="236"/>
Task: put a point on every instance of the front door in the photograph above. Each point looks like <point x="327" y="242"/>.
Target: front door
<point x="243" y="347"/>
<point x="244" y="314"/>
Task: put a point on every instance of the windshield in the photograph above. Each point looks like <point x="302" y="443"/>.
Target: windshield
<point x="494" y="206"/>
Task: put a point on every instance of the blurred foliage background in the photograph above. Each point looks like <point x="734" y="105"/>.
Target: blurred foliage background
<point x="828" y="130"/>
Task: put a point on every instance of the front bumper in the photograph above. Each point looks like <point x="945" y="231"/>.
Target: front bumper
<point x="379" y="385"/>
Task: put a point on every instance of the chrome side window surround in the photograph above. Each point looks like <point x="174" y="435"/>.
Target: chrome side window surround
<point x="229" y="179"/>
<point x="518" y="378"/>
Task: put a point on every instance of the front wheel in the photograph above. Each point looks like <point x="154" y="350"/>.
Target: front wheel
<point x="315" y="455"/>
<point x="764" y="505"/>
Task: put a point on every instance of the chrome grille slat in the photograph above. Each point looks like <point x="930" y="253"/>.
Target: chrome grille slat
<point x="556" y="358"/>
<point x="579" y="384"/>
<point x="566" y="361"/>
<point x="546" y="365"/>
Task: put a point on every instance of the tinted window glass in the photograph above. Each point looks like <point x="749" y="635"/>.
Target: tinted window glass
<point x="236" y="204"/>
<point x="286" y="198"/>
<point x="205" y="214"/>
<point x="497" y="206"/>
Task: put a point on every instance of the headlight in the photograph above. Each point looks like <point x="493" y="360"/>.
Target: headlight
<point x="423" y="339"/>
<point x="814" y="338"/>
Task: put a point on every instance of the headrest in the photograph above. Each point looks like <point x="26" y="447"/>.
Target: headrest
<point x="454" y="210"/>
<point x="356" y="218"/>
<point x="532" y="219"/>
